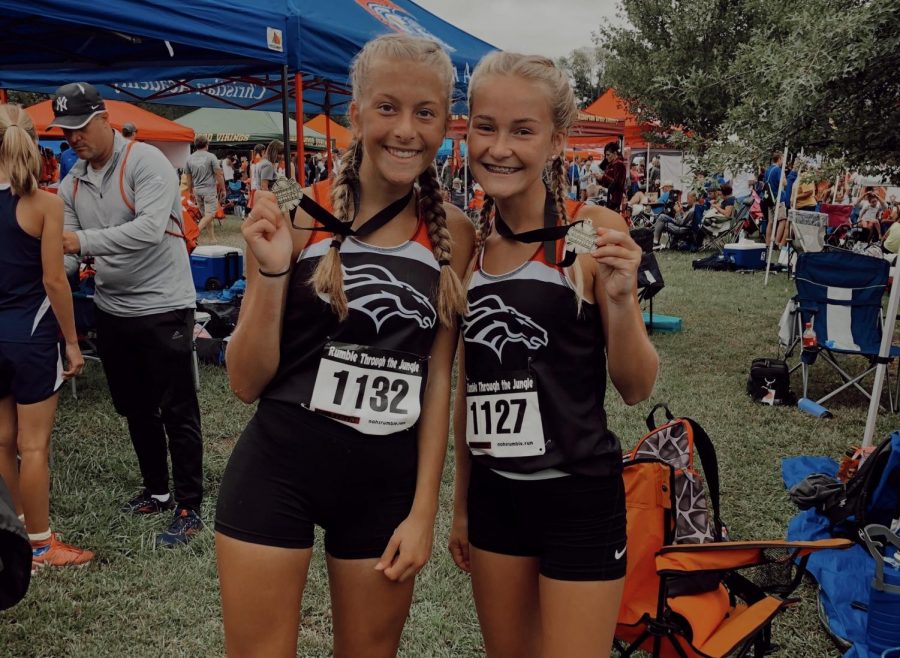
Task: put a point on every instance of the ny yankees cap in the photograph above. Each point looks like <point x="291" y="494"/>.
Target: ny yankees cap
<point x="75" y="104"/>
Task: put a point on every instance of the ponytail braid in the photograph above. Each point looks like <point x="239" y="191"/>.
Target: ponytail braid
<point x="451" y="299"/>
<point x="328" y="277"/>
<point x="558" y="184"/>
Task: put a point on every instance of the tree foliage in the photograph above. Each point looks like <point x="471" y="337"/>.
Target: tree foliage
<point x="746" y="76"/>
<point x="585" y="67"/>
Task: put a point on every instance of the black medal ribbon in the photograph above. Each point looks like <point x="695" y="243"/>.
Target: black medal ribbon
<point x="332" y="224"/>
<point x="549" y="234"/>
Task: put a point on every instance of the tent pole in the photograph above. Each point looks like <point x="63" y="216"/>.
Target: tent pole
<point x="286" y="122"/>
<point x="647" y="171"/>
<point x="887" y="336"/>
<point x="781" y="182"/>
<point x="298" y="112"/>
<point x="834" y="191"/>
<point x="329" y="165"/>
<point x="465" y="166"/>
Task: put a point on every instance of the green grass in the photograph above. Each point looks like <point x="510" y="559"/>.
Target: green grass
<point x="136" y="601"/>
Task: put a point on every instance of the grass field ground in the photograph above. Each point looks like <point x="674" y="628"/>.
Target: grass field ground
<point x="136" y="601"/>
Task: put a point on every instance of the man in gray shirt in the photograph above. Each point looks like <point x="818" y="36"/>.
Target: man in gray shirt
<point x="205" y="181"/>
<point x="122" y="207"/>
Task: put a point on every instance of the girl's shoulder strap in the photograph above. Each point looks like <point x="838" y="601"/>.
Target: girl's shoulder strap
<point x="573" y="207"/>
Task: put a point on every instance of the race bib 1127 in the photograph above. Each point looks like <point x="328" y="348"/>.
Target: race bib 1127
<point x="503" y="416"/>
<point x="373" y="390"/>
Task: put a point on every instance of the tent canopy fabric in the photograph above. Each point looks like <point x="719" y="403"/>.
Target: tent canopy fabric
<point x="611" y="106"/>
<point x="219" y="60"/>
<point x="340" y="135"/>
<point x="240" y="126"/>
<point x="54" y="41"/>
<point x="151" y="127"/>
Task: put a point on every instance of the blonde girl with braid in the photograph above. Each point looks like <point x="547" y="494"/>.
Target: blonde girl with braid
<point x="346" y="337"/>
<point x="539" y="511"/>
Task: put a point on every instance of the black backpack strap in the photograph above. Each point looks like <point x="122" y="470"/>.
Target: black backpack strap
<point x="710" y="464"/>
<point x="651" y="421"/>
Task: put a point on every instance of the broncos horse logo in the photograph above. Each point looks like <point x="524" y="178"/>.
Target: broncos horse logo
<point x="373" y="290"/>
<point x="492" y="323"/>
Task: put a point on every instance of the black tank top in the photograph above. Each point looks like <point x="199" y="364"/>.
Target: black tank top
<point x="25" y="313"/>
<point x="536" y="374"/>
<point x="366" y="361"/>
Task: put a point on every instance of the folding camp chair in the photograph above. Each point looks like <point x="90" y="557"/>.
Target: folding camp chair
<point x="717" y="230"/>
<point x="840" y="292"/>
<point x="807" y="230"/>
<point x="730" y="618"/>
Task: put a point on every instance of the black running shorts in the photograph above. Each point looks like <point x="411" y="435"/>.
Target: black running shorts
<point x="574" y="525"/>
<point x="292" y="470"/>
<point x="30" y="372"/>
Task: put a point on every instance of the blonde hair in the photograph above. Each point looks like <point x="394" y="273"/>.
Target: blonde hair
<point x="19" y="154"/>
<point x="538" y="70"/>
<point x="328" y="275"/>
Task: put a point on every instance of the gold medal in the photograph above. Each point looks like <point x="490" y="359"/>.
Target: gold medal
<point x="581" y="237"/>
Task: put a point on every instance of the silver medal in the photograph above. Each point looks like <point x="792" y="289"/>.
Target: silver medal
<point x="287" y="193"/>
<point x="581" y="238"/>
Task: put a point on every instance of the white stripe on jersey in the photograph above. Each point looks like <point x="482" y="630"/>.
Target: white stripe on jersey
<point x="59" y="370"/>
<point x="41" y="312"/>
<point x="409" y="249"/>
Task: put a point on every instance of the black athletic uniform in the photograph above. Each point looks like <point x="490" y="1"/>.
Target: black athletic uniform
<point x="546" y="471"/>
<point x="333" y="442"/>
<point x="30" y="361"/>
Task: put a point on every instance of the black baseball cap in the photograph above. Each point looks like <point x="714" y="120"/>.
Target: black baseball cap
<point x="75" y="104"/>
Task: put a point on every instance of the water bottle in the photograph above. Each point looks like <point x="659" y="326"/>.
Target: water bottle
<point x="883" y="628"/>
<point x="809" y="337"/>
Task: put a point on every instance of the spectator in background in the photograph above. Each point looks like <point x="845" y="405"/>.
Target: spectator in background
<point x="457" y="194"/>
<point x="258" y="151"/>
<point x="205" y="182"/>
<point x="265" y="169"/>
<point x="129" y="131"/>
<point x="653" y="173"/>
<point x="573" y="175"/>
<point x="870" y="215"/>
<point x="724" y="203"/>
<point x="228" y="167"/>
<point x="129" y="219"/>
<point x="67" y="158"/>
<point x="613" y="178"/>
<point x="771" y="184"/>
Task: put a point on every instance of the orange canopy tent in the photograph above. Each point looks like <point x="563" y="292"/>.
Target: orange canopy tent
<point x="151" y="127"/>
<point x="611" y="106"/>
<point x="339" y="134"/>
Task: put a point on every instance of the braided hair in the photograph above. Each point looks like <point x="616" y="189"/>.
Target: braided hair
<point x="327" y="279"/>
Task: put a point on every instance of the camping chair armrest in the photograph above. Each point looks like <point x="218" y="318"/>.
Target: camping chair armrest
<point x="724" y="556"/>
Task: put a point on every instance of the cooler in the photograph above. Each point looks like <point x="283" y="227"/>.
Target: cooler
<point x="215" y="267"/>
<point x="747" y="255"/>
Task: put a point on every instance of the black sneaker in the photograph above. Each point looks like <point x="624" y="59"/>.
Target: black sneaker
<point x="185" y="525"/>
<point x="144" y="503"/>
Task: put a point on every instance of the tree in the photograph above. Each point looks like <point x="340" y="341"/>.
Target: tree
<point x="742" y="78"/>
<point x="670" y="60"/>
<point x="584" y="67"/>
<point x="837" y="95"/>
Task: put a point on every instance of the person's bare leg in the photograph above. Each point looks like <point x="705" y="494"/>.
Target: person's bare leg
<point x="9" y="463"/>
<point x="505" y="588"/>
<point x="261" y="589"/>
<point x="578" y="619"/>
<point x="368" y="610"/>
<point x="35" y="426"/>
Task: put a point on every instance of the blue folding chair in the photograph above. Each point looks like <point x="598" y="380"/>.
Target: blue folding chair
<point x="840" y="292"/>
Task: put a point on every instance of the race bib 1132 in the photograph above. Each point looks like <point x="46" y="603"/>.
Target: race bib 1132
<point x="376" y="391"/>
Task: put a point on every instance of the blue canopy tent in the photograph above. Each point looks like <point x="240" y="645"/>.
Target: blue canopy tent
<point x="132" y="41"/>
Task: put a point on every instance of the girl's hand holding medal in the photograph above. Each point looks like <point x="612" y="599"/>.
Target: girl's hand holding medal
<point x="618" y="258"/>
<point x="268" y="234"/>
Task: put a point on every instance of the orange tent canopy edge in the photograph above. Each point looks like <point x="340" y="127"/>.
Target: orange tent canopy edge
<point x="151" y="127"/>
<point x="339" y="134"/>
